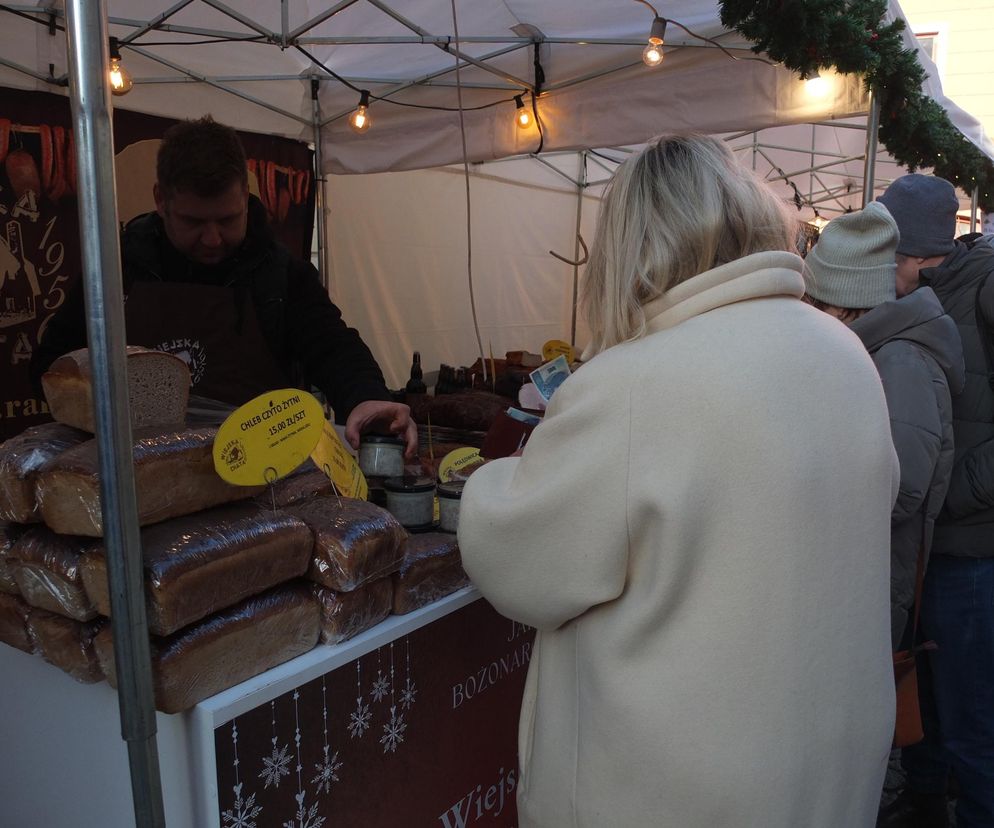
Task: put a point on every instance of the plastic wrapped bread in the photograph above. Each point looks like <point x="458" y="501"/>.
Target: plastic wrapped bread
<point x="346" y="614"/>
<point x="20" y="459"/>
<point x="67" y="644"/>
<point x="174" y="476"/>
<point x="14" y="615"/>
<point x="9" y="532"/>
<point x="158" y="388"/>
<point x="225" y="649"/>
<point x="305" y="482"/>
<point x="354" y="541"/>
<point x="201" y="563"/>
<point x="46" y="567"/>
<point x="432" y="569"/>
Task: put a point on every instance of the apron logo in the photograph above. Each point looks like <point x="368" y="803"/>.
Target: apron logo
<point x="233" y="454"/>
<point x="191" y="352"/>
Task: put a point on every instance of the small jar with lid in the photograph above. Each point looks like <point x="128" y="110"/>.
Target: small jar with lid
<point x="381" y="456"/>
<point x="449" y="498"/>
<point x="411" y="500"/>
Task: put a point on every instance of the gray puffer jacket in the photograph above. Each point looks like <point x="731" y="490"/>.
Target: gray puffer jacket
<point x="966" y="525"/>
<point x="916" y="348"/>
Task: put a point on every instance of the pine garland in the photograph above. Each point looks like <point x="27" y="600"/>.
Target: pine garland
<point x="808" y="35"/>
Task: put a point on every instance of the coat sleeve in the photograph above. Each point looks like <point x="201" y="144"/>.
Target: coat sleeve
<point x="545" y="536"/>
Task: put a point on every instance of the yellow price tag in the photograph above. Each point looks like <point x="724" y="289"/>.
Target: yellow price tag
<point x="456" y="461"/>
<point x="268" y="437"/>
<point x="555" y="347"/>
<point x="334" y="460"/>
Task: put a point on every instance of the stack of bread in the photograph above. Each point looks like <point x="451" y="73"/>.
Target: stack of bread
<point x="237" y="579"/>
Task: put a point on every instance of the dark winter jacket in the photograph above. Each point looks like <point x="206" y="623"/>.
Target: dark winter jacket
<point x="302" y="327"/>
<point x="966" y="525"/>
<point x="916" y="348"/>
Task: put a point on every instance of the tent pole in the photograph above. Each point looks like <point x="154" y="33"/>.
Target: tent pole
<point x="581" y="185"/>
<point x="974" y="203"/>
<point x="319" y="185"/>
<point x="86" y="31"/>
<point x="870" y="164"/>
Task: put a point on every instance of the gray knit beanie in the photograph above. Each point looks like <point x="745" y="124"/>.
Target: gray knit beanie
<point x="924" y="207"/>
<point x="852" y="265"/>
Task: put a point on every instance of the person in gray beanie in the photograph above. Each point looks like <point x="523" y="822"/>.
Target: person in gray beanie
<point x="956" y="681"/>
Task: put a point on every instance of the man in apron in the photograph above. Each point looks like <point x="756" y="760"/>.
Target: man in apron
<point x="204" y="278"/>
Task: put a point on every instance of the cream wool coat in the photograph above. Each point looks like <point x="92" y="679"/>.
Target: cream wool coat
<point x="700" y="531"/>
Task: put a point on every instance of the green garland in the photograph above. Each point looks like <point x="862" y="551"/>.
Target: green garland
<point x="807" y="35"/>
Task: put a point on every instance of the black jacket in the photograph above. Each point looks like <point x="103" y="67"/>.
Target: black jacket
<point x="302" y="327"/>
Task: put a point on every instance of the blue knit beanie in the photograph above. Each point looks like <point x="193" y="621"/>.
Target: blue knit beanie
<point x="924" y="207"/>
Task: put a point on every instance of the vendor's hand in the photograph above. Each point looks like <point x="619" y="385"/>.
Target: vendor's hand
<point x="389" y="416"/>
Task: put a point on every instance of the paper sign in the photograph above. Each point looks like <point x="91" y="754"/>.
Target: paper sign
<point x="556" y="347"/>
<point x="457" y="462"/>
<point x="331" y="456"/>
<point x="268" y="437"/>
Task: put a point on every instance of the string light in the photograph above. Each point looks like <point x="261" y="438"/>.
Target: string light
<point x="359" y="120"/>
<point x="120" y="80"/>
<point x="652" y="54"/>
<point x="522" y="117"/>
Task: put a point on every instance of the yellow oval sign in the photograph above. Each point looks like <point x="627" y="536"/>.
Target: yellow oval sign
<point x="555" y="347"/>
<point x="268" y="437"/>
<point x="331" y="456"/>
<point x="457" y="462"/>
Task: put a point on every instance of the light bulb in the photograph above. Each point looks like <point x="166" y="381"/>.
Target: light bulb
<point x="820" y="223"/>
<point x="522" y="117"/>
<point x="652" y="55"/>
<point x="815" y="86"/>
<point x="359" y="120"/>
<point x="120" y="80"/>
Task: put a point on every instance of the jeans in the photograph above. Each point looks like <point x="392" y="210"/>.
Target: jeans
<point x="956" y="688"/>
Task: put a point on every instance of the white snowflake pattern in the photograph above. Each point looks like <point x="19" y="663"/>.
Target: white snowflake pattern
<point x="393" y="732"/>
<point x="305" y="817"/>
<point x="407" y="694"/>
<point x="360" y="718"/>
<point x="244" y="813"/>
<point x="276" y="766"/>
<point x="381" y="687"/>
<point x="327" y="771"/>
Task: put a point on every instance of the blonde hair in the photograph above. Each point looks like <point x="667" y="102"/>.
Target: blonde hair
<point x="680" y="207"/>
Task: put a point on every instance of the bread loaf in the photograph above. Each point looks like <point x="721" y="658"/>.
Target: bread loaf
<point x="158" y="388"/>
<point x="14" y="614"/>
<point x="46" y="567"/>
<point x="354" y="541"/>
<point x="305" y="482"/>
<point x="174" y="476"/>
<point x="225" y="649"/>
<point x="9" y="532"/>
<point x="20" y="459"/>
<point x="67" y="644"/>
<point x="346" y="614"/>
<point x="202" y="563"/>
<point x="432" y="569"/>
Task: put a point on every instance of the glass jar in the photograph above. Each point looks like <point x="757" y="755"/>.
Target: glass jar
<point x="381" y="456"/>
<point x="411" y="500"/>
<point x="449" y="498"/>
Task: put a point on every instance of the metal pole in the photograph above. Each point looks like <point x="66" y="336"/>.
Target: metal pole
<point x="580" y="187"/>
<point x="870" y="164"/>
<point x="319" y="186"/>
<point x="974" y="203"/>
<point x="86" y="30"/>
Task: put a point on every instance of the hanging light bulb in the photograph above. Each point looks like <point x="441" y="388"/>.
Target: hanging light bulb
<point x="652" y="54"/>
<point x="522" y="117"/>
<point x="815" y="85"/>
<point x="120" y="80"/>
<point x="359" y="120"/>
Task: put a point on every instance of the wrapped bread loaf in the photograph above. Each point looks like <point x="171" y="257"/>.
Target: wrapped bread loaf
<point x="346" y="614"/>
<point x="46" y="567"/>
<point x="67" y="644"/>
<point x="354" y="541"/>
<point x="202" y="563"/>
<point x="14" y="615"/>
<point x="158" y="388"/>
<point x="9" y="532"/>
<point x="432" y="569"/>
<point x="301" y="484"/>
<point x="174" y="476"/>
<point x="225" y="649"/>
<point x="20" y="459"/>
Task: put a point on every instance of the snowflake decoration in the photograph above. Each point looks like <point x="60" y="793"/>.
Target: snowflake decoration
<point x="243" y="814"/>
<point x="393" y="731"/>
<point x="327" y="771"/>
<point x="305" y="817"/>
<point x="381" y="687"/>
<point x="360" y="718"/>
<point x="276" y="766"/>
<point x="407" y="694"/>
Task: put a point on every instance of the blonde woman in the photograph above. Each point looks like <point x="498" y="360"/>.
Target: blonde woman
<point x="699" y="530"/>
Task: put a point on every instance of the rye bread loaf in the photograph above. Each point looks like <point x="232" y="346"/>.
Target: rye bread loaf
<point x="304" y="482"/>
<point x="354" y="541"/>
<point x="20" y="459"/>
<point x="225" y="649"/>
<point x="432" y="569"/>
<point x="346" y="614"/>
<point x="174" y="476"/>
<point x="158" y="388"/>
<point x="46" y="567"/>
<point x="201" y="563"/>
<point x="14" y="615"/>
<point x="9" y="532"/>
<point x="67" y="644"/>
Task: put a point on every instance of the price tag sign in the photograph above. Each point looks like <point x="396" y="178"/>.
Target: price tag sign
<point x="556" y="347"/>
<point x="457" y="461"/>
<point x="268" y="437"/>
<point x="331" y="456"/>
